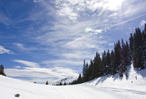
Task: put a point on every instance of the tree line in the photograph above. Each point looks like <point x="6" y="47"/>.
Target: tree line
<point x="117" y="60"/>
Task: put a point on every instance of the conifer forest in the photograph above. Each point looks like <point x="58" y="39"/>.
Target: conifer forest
<point x="117" y="60"/>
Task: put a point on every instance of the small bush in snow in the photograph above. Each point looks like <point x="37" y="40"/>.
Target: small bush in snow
<point x="17" y="95"/>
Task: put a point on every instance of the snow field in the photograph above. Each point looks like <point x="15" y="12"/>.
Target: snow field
<point x="112" y="87"/>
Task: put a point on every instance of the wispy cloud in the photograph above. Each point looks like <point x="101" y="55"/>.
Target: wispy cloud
<point x="5" y="20"/>
<point x="142" y="23"/>
<point x="36" y="0"/>
<point x="27" y="63"/>
<point x="40" y="75"/>
<point x="34" y="72"/>
<point x="133" y="7"/>
<point x="113" y="15"/>
<point x="70" y="36"/>
<point x="128" y="20"/>
<point x="63" y="63"/>
<point x="23" y="48"/>
<point x="75" y="23"/>
<point x="4" y="50"/>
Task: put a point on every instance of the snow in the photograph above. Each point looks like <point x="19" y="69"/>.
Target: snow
<point x="65" y="80"/>
<point x="112" y="87"/>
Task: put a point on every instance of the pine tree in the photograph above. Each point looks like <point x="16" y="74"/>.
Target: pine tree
<point x="46" y="82"/>
<point x="104" y="62"/>
<point x="112" y="58"/>
<point x="60" y="83"/>
<point x="96" y="64"/>
<point x="2" y="70"/>
<point x="65" y="84"/>
<point x="84" y="68"/>
<point x="122" y="67"/>
<point x="86" y="77"/>
<point x="108" y="66"/>
<point x="79" y="79"/>
<point x="117" y="50"/>
<point x="90" y="70"/>
<point x="138" y="50"/>
<point x="127" y="54"/>
<point x="131" y="39"/>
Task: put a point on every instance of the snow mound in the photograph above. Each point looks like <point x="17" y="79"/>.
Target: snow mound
<point x="135" y="82"/>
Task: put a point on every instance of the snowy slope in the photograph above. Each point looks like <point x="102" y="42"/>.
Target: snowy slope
<point x="136" y="80"/>
<point x="104" y="87"/>
<point x="134" y="85"/>
<point x="65" y="80"/>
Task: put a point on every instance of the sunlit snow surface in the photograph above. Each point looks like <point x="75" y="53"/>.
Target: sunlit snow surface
<point x="111" y="87"/>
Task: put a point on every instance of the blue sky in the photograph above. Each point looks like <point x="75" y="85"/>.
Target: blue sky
<point x="49" y="39"/>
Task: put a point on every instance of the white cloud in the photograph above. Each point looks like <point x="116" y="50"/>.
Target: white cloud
<point x="74" y="2"/>
<point x="111" y="44"/>
<point x="63" y="63"/>
<point x="66" y="11"/>
<point x="19" y="45"/>
<point x="73" y="9"/>
<point x="113" y="15"/>
<point x="98" y="31"/>
<point x="86" y="42"/>
<point x="3" y="50"/>
<point x="27" y="63"/>
<point x="133" y="7"/>
<point x="113" y="4"/>
<point x="94" y="5"/>
<point x="42" y="74"/>
<point x="128" y="20"/>
<point x="78" y="56"/>
<point x="36" y="0"/>
<point x="23" y="48"/>
<point x="142" y="23"/>
<point x="17" y="67"/>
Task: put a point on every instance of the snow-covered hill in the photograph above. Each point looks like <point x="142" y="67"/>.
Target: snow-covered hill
<point x="136" y="80"/>
<point x="65" y="80"/>
<point x="104" y="87"/>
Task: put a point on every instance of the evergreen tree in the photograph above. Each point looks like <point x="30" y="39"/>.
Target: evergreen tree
<point x="79" y="79"/>
<point x="112" y="58"/>
<point x="65" y="84"/>
<point x="127" y="54"/>
<point x="84" y="68"/>
<point x="138" y="54"/>
<point x="90" y="71"/>
<point x="97" y="65"/>
<point x="85" y="71"/>
<point x="104" y="62"/>
<point x="108" y="64"/>
<point x="2" y="70"/>
<point x="122" y="67"/>
<point x="131" y="45"/>
<point x="60" y="83"/>
<point x="117" y="49"/>
<point x="46" y="82"/>
<point x="86" y="76"/>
